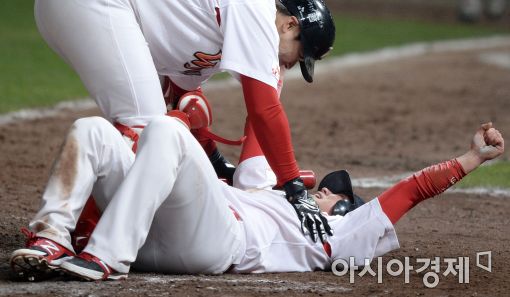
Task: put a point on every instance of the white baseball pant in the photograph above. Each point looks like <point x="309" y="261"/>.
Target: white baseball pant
<point x="165" y="208"/>
<point x="102" y="41"/>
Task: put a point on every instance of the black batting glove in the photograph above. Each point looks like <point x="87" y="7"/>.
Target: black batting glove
<point x="309" y="214"/>
<point x="224" y="169"/>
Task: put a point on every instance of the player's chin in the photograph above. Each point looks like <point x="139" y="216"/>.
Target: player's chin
<point x="290" y="66"/>
<point x="287" y="65"/>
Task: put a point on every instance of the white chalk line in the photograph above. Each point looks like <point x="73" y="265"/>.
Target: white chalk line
<point x="243" y="283"/>
<point x="500" y="59"/>
<point x="335" y="64"/>
<point x="386" y="182"/>
<point x="42" y="113"/>
<point x="407" y="51"/>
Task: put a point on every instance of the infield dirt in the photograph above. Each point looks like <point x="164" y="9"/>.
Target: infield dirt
<point x="376" y="120"/>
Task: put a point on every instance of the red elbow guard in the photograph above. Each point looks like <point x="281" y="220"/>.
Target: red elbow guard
<point x="197" y="108"/>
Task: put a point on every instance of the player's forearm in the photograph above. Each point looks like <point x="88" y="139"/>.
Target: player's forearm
<point x="251" y="147"/>
<point x="422" y="185"/>
<point x="271" y="128"/>
<point x="470" y="161"/>
<point x="274" y="138"/>
<point x="436" y="179"/>
<point x="487" y="144"/>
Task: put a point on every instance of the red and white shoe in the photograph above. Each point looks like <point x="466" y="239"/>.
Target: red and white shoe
<point x="39" y="259"/>
<point x="91" y="268"/>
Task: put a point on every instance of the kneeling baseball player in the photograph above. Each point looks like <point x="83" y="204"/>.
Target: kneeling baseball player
<point x="166" y="211"/>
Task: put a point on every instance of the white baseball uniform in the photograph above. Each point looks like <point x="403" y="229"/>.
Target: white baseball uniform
<point x="118" y="47"/>
<point x="167" y="209"/>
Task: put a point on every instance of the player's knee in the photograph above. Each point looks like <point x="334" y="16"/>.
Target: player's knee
<point x="165" y="133"/>
<point x="164" y="126"/>
<point x="85" y="127"/>
<point x="90" y="123"/>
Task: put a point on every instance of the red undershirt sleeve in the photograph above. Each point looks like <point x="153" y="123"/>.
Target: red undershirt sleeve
<point x="422" y="185"/>
<point x="271" y="127"/>
<point x="251" y="147"/>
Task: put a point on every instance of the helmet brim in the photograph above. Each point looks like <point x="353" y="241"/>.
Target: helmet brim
<point x="307" y="68"/>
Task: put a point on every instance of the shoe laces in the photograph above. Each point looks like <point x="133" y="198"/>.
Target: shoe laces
<point x="31" y="238"/>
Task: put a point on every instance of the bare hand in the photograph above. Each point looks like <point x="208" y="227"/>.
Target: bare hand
<point x="487" y="143"/>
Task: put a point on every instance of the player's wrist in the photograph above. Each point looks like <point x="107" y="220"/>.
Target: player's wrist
<point x="470" y="160"/>
<point x="477" y="156"/>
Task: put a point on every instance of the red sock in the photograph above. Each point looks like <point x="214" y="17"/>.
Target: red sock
<point x="85" y="225"/>
<point x="422" y="185"/>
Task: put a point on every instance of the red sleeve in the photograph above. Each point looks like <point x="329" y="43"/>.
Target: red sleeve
<point x="270" y="124"/>
<point x="424" y="184"/>
<point x="251" y="147"/>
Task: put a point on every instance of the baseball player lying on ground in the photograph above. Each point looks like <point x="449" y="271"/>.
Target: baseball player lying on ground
<point x="166" y="211"/>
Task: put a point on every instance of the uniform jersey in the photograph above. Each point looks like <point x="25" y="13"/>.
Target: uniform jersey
<point x="119" y="47"/>
<point x="274" y="241"/>
<point x="192" y="40"/>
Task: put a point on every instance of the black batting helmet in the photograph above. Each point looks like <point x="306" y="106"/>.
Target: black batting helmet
<point x="339" y="182"/>
<point x="317" y="31"/>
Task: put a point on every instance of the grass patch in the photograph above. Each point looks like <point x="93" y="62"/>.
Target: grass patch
<point x="355" y="34"/>
<point x="495" y="176"/>
<point x="32" y="75"/>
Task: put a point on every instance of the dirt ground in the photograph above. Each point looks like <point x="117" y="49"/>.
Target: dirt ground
<point x="375" y="120"/>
